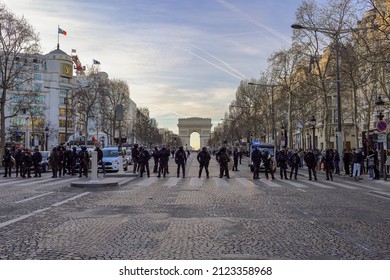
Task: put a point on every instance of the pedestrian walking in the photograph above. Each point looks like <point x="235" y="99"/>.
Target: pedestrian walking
<point x="19" y="167"/>
<point x="283" y="159"/>
<point x="357" y="159"/>
<point x="370" y="164"/>
<point x="203" y="158"/>
<point x="294" y="164"/>
<point x="100" y="159"/>
<point x="311" y="162"/>
<point x="180" y="160"/>
<point x="61" y="162"/>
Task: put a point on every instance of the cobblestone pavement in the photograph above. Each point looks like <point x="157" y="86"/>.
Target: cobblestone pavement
<point x="195" y="218"/>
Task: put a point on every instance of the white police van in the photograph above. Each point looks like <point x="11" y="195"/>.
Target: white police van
<point x="111" y="159"/>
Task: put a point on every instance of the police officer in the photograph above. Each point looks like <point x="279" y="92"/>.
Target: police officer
<point x="155" y="156"/>
<point x="73" y="161"/>
<point x="311" y="162"/>
<point x="7" y="162"/>
<point x="236" y="155"/>
<point x="223" y="159"/>
<point x="268" y="163"/>
<point x="181" y="159"/>
<point x="135" y="156"/>
<point x="144" y="158"/>
<point x="27" y="161"/>
<point x="54" y="161"/>
<point x="203" y="158"/>
<point x="294" y="164"/>
<point x="282" y="160"/>
<point x="84" y="162"/>
<point x="256" y="159"/>
<point x="163" y="156"/>
<point x="36" y="159"/>
<point x="19" y="162"/>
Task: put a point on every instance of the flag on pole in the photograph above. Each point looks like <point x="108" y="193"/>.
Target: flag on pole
<point x="95" y="61"/>
<point x="61" y="31"/>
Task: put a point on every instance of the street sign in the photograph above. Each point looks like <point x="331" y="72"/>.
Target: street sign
<point x="381" y="137"/>
<point x="381" y="125"/>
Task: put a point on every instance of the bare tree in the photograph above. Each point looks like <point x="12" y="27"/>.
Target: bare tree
<point x="18" y="42"/>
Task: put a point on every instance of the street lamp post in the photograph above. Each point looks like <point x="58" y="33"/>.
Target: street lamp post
<point x="46" y="138"/>
<point x="380" y="107"/>
<point x="272" y="106"/>
<point x="313" y="124"/>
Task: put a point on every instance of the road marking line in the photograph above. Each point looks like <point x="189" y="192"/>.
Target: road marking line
<point x="33" y="197"/>
<point x="23" y="217"/>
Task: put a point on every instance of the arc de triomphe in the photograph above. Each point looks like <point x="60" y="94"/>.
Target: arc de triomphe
<point x="199" y="125"/>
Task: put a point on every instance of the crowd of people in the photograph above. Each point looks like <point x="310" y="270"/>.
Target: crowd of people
<point x="77" y="161"/>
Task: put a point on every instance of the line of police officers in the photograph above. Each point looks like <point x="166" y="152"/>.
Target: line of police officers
<point x="62" y="161"/>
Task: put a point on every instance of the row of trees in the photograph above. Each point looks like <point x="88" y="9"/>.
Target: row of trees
<point x="301" y="81"/>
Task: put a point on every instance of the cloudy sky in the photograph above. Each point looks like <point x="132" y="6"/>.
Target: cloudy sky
<point x="180" y="58"/>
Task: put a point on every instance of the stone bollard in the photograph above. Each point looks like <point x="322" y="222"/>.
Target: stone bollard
<point x="120" y="171"/>
<point x="94" y="176"/>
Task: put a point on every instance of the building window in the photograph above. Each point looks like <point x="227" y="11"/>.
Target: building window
<point x="36" y="67"/>
<point x="37" y="87"/>
<point x="37" y="76"/>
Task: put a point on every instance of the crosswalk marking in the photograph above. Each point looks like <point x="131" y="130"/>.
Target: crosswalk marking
<point x="196" y="182"/>
<point x="146" y="181"/>
<point x="221" y="182"/>
<point x="245" y="182"/>
<point x="320" y="185"/>
<point x="296" y="184"/>
<point x="270" y="183"/>
<point x="172" y="182"/>
<point x="343" y="185"/>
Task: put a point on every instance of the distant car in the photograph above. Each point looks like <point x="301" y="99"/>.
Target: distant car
<point x="45" y="166"/>
<point x="111" y="159"/>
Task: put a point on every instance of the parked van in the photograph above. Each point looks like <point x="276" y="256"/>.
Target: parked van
<point x="262" y="146"/>
<point x="110" y="160"/>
